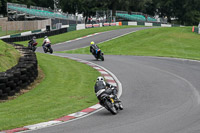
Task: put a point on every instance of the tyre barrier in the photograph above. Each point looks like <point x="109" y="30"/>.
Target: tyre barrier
<point x="19" y="76"/>
<point x="37" y="35"/>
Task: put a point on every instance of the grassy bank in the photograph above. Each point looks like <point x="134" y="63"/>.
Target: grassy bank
<point x="170" y="42"/>
<point x="8" y="56"/>
<point x="4" y="33"/>
<point x="76" y="34"/>
<point x="67" y="88"/>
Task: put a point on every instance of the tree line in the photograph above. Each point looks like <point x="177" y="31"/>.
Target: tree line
<point x="186" y="12"/>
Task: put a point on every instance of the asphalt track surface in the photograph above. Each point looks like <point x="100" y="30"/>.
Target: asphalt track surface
<point x="97" y="38"/>
<point x="160" y="95"/>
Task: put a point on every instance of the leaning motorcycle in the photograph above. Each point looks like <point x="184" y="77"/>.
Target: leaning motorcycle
<point x="47" y="48"/>
<point x="109" y="103"/>
<point x="33" y="46"/>
<point x="99" y="55"/>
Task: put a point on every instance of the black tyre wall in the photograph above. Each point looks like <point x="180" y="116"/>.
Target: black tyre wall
<point x="38" y="35"/>
<point x="21" y="75"/>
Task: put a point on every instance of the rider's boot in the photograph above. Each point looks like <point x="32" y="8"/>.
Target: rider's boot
<point x="117" y="100"/>
<point x="120" y="106"/>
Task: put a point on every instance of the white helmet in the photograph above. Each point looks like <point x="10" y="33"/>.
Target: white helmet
<point x="45" y="37"/>
<point x="100" y="78"/>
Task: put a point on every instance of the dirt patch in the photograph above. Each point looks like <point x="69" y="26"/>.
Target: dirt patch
<point x="37" y="81"/>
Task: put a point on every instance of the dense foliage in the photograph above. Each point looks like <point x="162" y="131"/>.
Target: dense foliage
<point x="186" y="12"/>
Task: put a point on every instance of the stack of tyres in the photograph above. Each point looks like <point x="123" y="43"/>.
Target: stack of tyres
<point x="11" y="85"/>
<point x="23" y="76"/>
<point x="19" y="76"/>
<point x="17" y="81"/>
<point x="3" y="87"/>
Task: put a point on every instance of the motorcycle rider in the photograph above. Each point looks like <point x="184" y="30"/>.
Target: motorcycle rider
<point x="32" y="41"/>
<point x="93" y="48"/>
<point x="46" y="42"/>
<point x="103" y="87"/>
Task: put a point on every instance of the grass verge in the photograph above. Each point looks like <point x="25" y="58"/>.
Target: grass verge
<point x="8" y="56"/>
<point x="177" y="42"/>
<point x="66" y="88"/>
<point x="75" y="34"/>
<point x="4" y="33"/>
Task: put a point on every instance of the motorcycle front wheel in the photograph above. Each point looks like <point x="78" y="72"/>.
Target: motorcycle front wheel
<point x="45" y="50"/>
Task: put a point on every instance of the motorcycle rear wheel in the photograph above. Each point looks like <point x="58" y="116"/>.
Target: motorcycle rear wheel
<point x="110" y="108"/>
<point x="50" y="50"/>
<point x="33" y="48"/>
<point x="101" y="57"/>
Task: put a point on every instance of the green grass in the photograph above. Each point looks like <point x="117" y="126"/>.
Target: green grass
<point x="76" y="34"/>
<point x="169" y="42"/>
<point x="8" y="56"/>
<point x="67" y="88"/>
<point x="68" y="85"/>
<point x="4" y="33"/>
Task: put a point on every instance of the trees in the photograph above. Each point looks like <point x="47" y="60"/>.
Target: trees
<point x="3" y="7"/>
<point x="186" y="11"/>
<point x="165" y="8"/>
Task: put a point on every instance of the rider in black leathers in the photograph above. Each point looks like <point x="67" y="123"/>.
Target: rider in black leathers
<point x="109" y="89"/>
<point x="32" y="41"/>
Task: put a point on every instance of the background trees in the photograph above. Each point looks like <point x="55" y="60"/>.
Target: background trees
<point x="186" y="12"/>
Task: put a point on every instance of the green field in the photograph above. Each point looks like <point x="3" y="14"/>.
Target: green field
<point x="68" y="85"/>
<point x="75" y="34"/>
<point x="4" y="33"/>
<point x="170" y="42"/>
<point x="8" y="56"/>
<point x="67" y="88"/>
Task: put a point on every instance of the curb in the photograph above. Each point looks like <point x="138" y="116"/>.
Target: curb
<point x="109" y="76"/>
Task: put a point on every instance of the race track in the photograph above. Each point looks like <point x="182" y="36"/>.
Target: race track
<point x="97" y="38"/>
<point x="160" y="95"/>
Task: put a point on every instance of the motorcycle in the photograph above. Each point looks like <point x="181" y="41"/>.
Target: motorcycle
<point x="47" y="48"/>
<point x="99" y="55"/>
<point x="110" y="104"/>
<point x="33" y="46"/>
